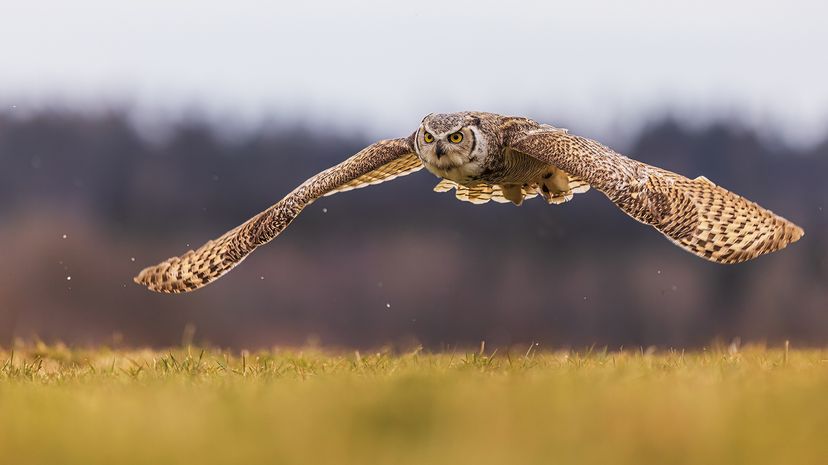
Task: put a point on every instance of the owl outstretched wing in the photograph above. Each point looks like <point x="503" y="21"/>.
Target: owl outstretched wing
<point x="694" y="214"/>
<point x="402" y="166"/>
<point x="199" y="267"/>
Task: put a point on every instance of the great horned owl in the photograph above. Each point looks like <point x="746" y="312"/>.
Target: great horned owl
<point x="484" y="156"/>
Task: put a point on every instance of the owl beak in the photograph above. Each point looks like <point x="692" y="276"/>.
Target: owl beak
<point x="439" y="149"/>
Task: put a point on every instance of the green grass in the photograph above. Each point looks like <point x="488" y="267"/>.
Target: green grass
<point x="756" y="406"/>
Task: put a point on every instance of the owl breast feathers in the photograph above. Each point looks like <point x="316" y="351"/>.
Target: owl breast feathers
<point x="487" y="157"/>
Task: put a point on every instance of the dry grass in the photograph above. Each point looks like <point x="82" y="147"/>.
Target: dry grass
<point x="756" y="406"/>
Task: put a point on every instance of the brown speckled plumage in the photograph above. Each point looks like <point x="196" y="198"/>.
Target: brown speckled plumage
<point x="694" y="214"/>
<point x="197" y="268"/>
<point x="402" y="166"/>
<point x="508" y="159"/>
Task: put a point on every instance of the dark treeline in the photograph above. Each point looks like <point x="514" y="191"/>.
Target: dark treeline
<point x="394" y="263"/>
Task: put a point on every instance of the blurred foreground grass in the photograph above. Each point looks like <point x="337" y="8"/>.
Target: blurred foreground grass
<point x="104" y="406"/>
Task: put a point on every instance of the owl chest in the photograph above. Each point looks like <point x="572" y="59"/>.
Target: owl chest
<point x="467" y="173"/>
<point x="511" y="167"/>
<point x="507" y="166"/>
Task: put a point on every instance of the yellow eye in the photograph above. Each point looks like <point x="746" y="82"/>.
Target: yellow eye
<point x="428" y="137"/>
<point x="456" y="138"/>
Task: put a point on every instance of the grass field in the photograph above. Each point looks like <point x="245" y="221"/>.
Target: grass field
<point x="193" y="406"/>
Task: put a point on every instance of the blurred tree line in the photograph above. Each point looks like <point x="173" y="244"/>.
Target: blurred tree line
<point x="86" y="201"/>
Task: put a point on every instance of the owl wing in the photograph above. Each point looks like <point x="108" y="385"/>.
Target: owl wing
<point x="694" y="214"/>
<point x="199" y="267"/>
<point x="402" y="166"/>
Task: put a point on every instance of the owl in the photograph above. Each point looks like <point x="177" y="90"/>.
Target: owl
<point x="488" y="157"/>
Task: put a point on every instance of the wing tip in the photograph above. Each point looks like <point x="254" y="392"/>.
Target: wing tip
<point x="797" y="233"/>
<point x="789" y="233"/>
<point x="144" y="278"/>
<point x="792" y="233"/>
<point x="785" y="236"/>
<point x="154" y="279"/>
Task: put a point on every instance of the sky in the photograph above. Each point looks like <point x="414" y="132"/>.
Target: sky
<point x="378" y="67"/>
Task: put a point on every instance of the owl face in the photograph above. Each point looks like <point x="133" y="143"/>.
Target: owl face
<point x="449" y="141"/>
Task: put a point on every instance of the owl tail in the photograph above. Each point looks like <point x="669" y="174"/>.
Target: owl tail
<point x="705" y="219"/>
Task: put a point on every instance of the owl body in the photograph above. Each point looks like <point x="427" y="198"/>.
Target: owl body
<point x="478" y="158"/>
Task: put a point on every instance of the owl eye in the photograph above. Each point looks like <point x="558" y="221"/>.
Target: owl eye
<point x="428" y="137"/>
<point x="456" y="138"/>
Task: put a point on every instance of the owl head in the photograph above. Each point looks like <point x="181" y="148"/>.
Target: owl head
<point x="449" y="140"/>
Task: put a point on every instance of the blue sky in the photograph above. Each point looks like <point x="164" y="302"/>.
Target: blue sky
<point x="377" y="67"/>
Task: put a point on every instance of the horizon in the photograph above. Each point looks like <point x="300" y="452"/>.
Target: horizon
<point x="156" y="126"/>
<point x="389" y="65"/>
